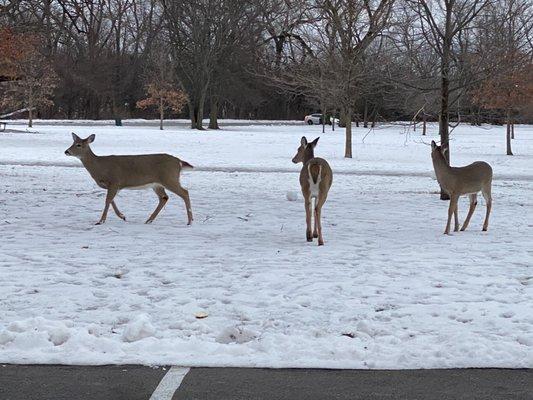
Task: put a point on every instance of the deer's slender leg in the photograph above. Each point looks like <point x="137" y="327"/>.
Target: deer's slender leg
<point x="473" y="204"/>
<point x="320" y="202"/>
<point x="111" y="193"/>
<point x="163" y="198"/>
<point x="117" y="211"/>
<point x="308" y="233"/>
<point x="315" y="229"/>
<point x="488" y="199"/>
<point x="451" y="208"/>
<point x="456" y="217"/>
<point x="175" y="187"/>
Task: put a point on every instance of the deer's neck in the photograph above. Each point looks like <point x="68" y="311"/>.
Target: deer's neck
<point x="441" y="167"/>
<point x="309" y="154"/>
<point x="89" y="160"/>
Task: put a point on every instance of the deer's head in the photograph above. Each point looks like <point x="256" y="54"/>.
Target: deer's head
<point x="305" y="151"/>
<point x="438" y="151"/>
<point x="80" y="147"/>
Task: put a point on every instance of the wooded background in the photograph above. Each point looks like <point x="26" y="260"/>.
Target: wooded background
<point x="361" y="60"/>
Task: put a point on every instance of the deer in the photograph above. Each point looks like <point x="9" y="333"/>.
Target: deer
<point x="458" y="181"/>
<point x="316" y="177"/>
<point x="146" y="171"/>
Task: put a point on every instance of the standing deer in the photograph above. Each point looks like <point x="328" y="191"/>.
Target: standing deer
<point x="458" y="181"/>
<point x="147" y="171"/>
<point x="315" y="180"/>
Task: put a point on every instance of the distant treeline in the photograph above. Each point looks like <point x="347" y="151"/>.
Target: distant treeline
<point x="268" y="59"/>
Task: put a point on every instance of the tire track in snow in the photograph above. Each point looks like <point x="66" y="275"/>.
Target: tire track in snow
<point x="428" y="174"/>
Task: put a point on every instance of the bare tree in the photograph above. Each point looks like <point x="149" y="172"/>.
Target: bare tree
<point x="202" y="32"/>
<point x="284" y="25"/>
<point x="441" y="22"/>
<point x="345" y="31"/>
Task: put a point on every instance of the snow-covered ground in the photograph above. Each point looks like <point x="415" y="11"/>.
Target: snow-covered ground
<point x="388" y="290"/>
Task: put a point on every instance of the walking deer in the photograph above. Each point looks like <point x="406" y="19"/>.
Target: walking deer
<point x="458" y="181"/>
<point x="315" y="180"/>
<point x="147" y="171"/>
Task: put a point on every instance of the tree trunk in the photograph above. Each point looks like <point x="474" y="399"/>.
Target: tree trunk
<point x="199" y="108"/>
<point x="213" y="113"/>
<point x="161" y="113"/>
<point x="512" y="129"/>
<point x="424" y="125"/>
<point x="445" y="92"/>
<point x="365" y="116"/>
<point x="199" y="115"/>
<point x="374" y="117"/>
<point x="279" y="42"/>
<point x="192" y="114"/>
<point x="117" y="113"/>
<point x="323" y="119"/>
<point x="30" y="109"/>
<point x="197" y="124"/>
<point x="444" y="140"/>
<point x="348" y="144"/>
<point x="196" y="113"/>
<point x="509" y="122"/>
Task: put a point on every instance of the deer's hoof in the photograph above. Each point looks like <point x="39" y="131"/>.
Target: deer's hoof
<point x="122" y="217"/>
<point x="315" y="235"/>
<point x="149" y="221"/>
<point x="321" y="243"/>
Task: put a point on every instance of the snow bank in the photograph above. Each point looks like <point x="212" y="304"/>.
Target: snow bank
<point x="138" y="329"/>
<point x="241" y="286"/>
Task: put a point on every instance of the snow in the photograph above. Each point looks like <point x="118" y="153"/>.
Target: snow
<point x="138" y="329"/>
<point x="388" y="290"/>
<point x="292" y="195"/>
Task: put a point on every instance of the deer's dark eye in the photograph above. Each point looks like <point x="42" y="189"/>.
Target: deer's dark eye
<point x="78" y="145"/>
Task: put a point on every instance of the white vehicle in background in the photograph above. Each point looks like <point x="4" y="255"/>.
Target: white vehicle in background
<point x="316" y="119"/>
<point x="313" y="119"/>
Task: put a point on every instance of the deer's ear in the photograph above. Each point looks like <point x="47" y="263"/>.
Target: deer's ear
<point x="314" y="142"/>
<point x="303" y="141"/>
<point x="91" y="138"/>
<point x="433" y="145"/>
<point x="75" y="137"/>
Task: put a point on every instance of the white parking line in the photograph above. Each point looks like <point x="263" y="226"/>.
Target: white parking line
<point x="169" y="384"/>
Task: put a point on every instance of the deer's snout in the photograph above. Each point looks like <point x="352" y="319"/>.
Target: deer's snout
<point x="67" y="152"/>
